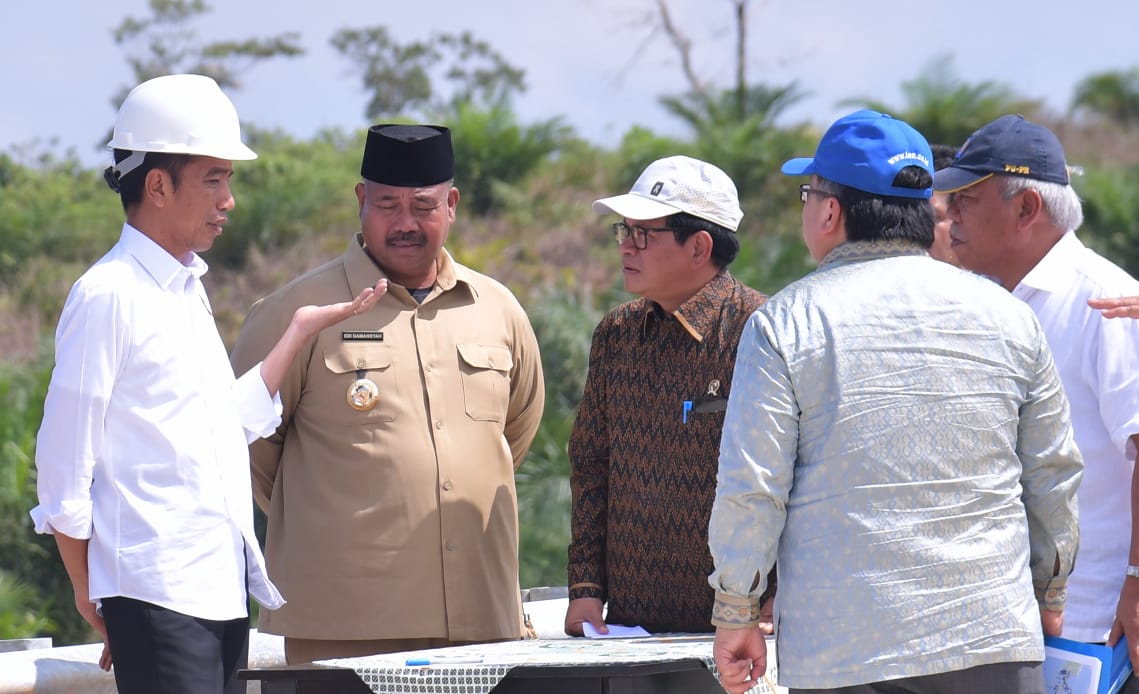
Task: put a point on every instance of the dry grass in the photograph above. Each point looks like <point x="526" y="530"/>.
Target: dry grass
<point x="1088" y="143"/>
<point x="21" y="332"/>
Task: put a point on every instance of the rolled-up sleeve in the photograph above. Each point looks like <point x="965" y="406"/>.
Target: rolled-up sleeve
<point x="1112" y="363"/>
<point x="89" y="344"/>
<point x="758" y="450"/>
<point x="260" y="413"/>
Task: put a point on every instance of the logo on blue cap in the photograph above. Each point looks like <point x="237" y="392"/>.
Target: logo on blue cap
<point x="865" y="151"/>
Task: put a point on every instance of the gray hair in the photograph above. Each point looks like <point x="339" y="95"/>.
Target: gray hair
<point x="1061" y="203"/>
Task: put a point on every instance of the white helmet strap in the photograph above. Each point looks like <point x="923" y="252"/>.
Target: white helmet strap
<point x="132" y="162"/>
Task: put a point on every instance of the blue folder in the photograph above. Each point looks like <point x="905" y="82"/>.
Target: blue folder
<point x="1063" y="674"/>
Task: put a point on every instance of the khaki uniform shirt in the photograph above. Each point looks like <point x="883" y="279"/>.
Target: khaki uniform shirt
<point x="400" y="521"/>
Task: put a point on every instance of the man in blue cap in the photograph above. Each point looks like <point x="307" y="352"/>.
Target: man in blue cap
<point x="1014" y="216"/>
<point x="899" y="440"/>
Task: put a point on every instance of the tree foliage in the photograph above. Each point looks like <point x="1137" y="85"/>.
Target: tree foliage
<point x="737" y="128"/>
<point x="746" y="143"/>
<point x="525" y="218"/>
<point x="1111" y="96"/>
<point x="733" y="126"/>
<point x="20" y="617"/>
<point x="164" y="43"/>
<point x="945" y="109"/>
<point x="1110" y="199"/>
<point x="295" y="189"/>
<point x="35" y="593"/>
<point x="564" y="330"/>
<point x="428" y="79"/>
<point x="492" y="149"/>
<point x="55" y="218"/>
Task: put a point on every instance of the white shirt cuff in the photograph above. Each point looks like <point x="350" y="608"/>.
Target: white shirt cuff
<point x="260" y="413"/>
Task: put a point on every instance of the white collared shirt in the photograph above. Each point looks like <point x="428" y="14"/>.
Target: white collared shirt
<point x="1098" y="361"/>
<point x="143" y="448"/>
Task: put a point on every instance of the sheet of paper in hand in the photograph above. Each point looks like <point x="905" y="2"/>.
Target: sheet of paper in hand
<point x="616" y="631"/>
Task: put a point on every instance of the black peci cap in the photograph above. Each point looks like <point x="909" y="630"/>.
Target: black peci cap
<point x="408" y="156"/>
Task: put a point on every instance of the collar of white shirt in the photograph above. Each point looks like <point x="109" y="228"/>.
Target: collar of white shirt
<point x="1054" y="271"/>
<point x="163" y="268"/>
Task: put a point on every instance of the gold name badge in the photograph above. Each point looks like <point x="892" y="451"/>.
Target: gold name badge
<point x="363" y="395"/>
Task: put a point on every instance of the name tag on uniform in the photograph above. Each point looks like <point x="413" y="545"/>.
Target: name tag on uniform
<point x="362" y="336"/>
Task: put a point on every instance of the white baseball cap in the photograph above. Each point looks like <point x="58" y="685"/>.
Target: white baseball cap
<point x="678" y="184"/>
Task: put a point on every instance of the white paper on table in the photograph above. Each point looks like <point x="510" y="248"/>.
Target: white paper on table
<point x="615" y="631"/>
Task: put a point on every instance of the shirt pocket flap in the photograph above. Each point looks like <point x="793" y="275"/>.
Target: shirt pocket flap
<point x="487" y="357"/>
<point x="346" y="358"/>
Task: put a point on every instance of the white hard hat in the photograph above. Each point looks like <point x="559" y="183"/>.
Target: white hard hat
<point x="178" y="114"/>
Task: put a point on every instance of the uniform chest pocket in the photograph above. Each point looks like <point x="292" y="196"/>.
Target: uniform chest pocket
<point x="485" y="371"/>
<point x="347" y="363"/>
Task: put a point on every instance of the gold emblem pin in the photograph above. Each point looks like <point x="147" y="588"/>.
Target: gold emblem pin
<point x="363" y="395"/>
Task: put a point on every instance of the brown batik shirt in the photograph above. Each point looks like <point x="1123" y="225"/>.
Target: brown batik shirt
<point x="644" y="464"/>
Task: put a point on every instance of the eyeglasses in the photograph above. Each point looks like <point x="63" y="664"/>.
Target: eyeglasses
<point x="640" y="235"/>
<point x="806" y="189"/>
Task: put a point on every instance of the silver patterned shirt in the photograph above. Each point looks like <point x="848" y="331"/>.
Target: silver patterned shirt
<point x="899" y="440"/>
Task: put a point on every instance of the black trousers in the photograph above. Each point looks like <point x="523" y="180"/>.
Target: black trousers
<point x="998" y="678"/>
<point x="159" y="651"/>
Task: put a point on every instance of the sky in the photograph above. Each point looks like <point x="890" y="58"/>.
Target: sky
<point x="598" y="64"/>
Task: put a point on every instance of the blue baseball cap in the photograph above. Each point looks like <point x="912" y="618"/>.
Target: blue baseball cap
<point x="1009" y="146"/>
<point x="865" y="150"/>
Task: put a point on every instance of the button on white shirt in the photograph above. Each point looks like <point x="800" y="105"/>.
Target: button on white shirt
<point x="1098" y="361"/>
<point x="143" y="445"/>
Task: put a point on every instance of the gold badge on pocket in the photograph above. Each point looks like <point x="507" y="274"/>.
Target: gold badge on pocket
<point x="363" y="395"/>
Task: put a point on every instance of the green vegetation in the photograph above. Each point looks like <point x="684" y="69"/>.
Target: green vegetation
<point x="524" y="218"/>
<point x="35" y="594"/>
<point x="166" y="42"/>
<point x="945" y="109"/>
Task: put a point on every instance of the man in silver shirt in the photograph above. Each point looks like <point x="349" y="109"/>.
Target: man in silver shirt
<point x="898" y="439"/>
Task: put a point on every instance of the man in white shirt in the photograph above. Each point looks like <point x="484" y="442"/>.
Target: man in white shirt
<point x="142" y="459"/>
<point x="1014" y="216"/>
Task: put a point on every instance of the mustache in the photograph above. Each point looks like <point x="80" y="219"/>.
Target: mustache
<point x="404" y="237"/>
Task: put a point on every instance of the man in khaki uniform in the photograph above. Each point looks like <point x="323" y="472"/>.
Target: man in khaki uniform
<point x="389" y="486"/>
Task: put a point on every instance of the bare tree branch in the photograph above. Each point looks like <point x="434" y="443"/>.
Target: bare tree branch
<point x="741" y="44"/>
<point x="683" y="46"/>
<point x="741" y="53"/>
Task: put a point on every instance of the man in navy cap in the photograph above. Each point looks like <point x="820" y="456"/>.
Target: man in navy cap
<point x="389" y="486"/>
<point x="898" y="439"/>
<point x="1014" y="217"/>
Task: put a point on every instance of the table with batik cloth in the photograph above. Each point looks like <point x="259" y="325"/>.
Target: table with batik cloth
<point x="658" y="664"/>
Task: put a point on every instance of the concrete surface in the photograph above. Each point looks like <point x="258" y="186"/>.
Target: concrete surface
<point x="70" y="669"/>
<point x="76" y="668"/>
